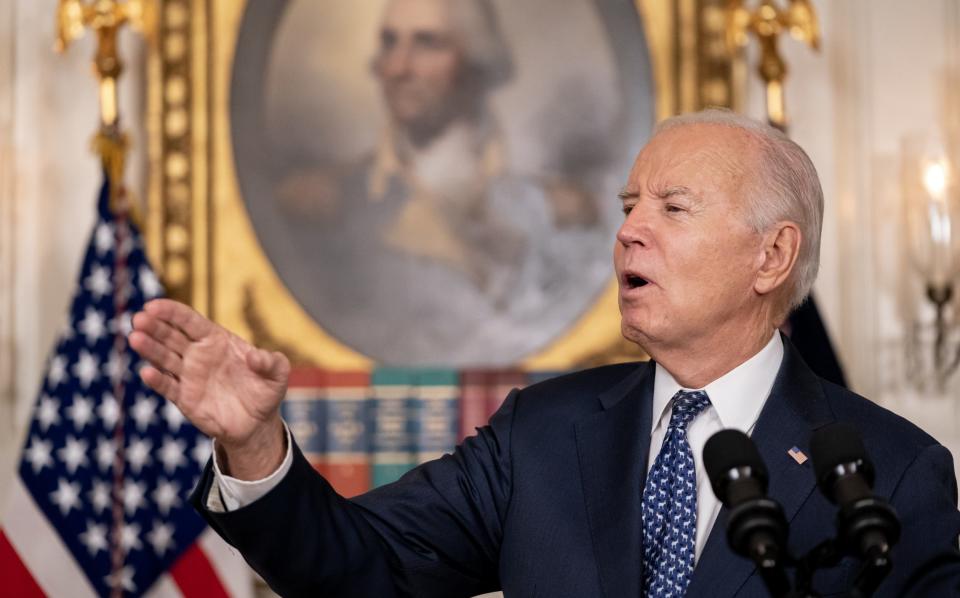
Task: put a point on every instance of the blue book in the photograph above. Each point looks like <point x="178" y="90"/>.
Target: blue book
<point x="391" y="421"/>
<point x="438" y="413"/>
<point x="346" y="459"/>
<point x="304" y="411"/>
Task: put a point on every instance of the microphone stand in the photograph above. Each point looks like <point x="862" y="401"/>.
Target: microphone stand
<point x="824" y="555"/>
<point x="776" y="580"/>
<point x="876" y="565"/>
<point x="770" y="564"/>
<point x="867" y="529"/>
<point x="828" y="554"/>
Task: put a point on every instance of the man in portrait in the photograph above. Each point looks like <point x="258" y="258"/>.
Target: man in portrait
<point x="590" y="484"/>
<point x="435" y="205"/>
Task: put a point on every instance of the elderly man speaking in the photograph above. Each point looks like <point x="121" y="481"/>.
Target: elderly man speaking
<point x="566" y="492"/>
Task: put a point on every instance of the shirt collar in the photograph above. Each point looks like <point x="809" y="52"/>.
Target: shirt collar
<point x="737" y="396"/>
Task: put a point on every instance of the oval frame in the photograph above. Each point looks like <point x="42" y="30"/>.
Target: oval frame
<point x="633" y="85"/>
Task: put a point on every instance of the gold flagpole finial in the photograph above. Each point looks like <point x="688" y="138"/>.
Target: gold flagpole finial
<point x="105" y="18"/>
<point x="767" y="22"/>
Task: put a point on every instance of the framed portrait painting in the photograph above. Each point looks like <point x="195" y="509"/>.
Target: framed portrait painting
<point x="413" y="182"/>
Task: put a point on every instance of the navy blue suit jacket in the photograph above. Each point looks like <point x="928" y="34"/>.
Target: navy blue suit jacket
<point x="545" y="501"/>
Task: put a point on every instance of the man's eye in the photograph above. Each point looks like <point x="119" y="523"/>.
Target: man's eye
<point x="430" y="41"/>
<point x="388" y="39"/>
<point x="627" y="209"/>
<point x="674" y="208"/>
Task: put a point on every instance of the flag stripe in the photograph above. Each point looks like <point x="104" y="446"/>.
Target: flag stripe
<point x="164" y="588"/>
<point x="41" y="549"/>
<point x="232" y="570"/>
<point x="16" y="577"/>
<point x="195" y="576"/>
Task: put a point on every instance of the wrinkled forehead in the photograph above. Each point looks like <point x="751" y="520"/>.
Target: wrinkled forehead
<point x="418" y="15"/>
<point x="707" y="154"/>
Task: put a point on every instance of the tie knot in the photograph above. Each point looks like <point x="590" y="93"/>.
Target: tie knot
<point x="686" y="406"/>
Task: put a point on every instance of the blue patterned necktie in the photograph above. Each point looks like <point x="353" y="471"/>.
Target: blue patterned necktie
<point x="669" y="508"/>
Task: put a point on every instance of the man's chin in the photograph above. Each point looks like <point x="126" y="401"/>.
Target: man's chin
<point x="406" y="123"/>
<point x="420" y="129"/>
<point x="635" y="334"/>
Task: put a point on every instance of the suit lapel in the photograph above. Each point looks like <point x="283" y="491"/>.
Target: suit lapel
<point x="796" y="407"/>
<point x="613" y="445"/>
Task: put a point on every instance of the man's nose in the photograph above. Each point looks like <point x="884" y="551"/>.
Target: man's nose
<point x="633" y="230"/>
<point x="396" y="61"/>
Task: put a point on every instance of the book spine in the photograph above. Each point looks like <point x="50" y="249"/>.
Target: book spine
<point x="438" y="417"/>
<point x="346" y="460"/>
<point x="473" y="401"/>
<point x="304" y="412"/>
<point x="392" y="414"/>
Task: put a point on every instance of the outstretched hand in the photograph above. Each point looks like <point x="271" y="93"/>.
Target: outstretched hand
<point x="229" y="389"/>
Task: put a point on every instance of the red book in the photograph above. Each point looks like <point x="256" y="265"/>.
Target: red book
<point x="474" y="385"/>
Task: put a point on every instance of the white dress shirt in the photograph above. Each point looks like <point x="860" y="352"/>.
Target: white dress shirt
<point x="736" y="399"/>
<point x="735" y="402"/>
<point x="240" y="493"/>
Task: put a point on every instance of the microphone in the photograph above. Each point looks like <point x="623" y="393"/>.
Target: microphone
<point x="756" y="525"/>
<point x="867" y="526"/>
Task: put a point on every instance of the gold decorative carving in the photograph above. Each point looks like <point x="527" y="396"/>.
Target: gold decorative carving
<point x="105" y="18"/>
<point x="174" y="226"/>
<point x="719" y="76"/>
<point x="767" y="22"/>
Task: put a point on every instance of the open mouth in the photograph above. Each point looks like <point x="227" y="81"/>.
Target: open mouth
<point x="635" y="282"/>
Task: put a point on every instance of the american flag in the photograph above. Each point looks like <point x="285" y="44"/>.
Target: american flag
<point x="99" y="505"/>
<point x="797" y="455"/>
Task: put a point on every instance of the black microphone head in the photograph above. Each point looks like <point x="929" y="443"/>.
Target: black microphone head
<point x="732" y="450"/>
<point x="834" y="445"/>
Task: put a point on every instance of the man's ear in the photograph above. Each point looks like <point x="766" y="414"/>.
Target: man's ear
<point x="781" y="246"/>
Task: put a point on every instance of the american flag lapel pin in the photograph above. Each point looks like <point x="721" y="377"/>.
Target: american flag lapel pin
<point x="797" y="455"/>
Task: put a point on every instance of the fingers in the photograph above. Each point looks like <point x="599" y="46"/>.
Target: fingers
<point x="270" y="364"/>
<point x="181" y="316"/>
<point x="162" y="332"/>
<point x="159" y="355"/>
<point x="164" y="384"/>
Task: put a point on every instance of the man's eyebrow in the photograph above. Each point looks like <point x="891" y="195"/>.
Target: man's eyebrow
<point x="673" y="191"/>
<point x="660" y="193"/>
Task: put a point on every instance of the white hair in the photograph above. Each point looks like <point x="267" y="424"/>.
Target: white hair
<point x="484" y="46"/>
<point x="786" y="188"/>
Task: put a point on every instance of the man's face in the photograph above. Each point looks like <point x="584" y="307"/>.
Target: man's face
<point x="419" y="62"/>
<point x="686" y="260"/>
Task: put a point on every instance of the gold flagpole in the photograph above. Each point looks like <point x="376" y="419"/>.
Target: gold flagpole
<point x="767" y="22"/>
<point x="106" y="18"/>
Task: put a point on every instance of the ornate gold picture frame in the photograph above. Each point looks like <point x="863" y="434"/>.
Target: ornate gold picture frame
<point x="200" y="232"/>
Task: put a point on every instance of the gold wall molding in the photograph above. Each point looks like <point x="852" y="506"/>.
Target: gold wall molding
<point x="178" y="214"/>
